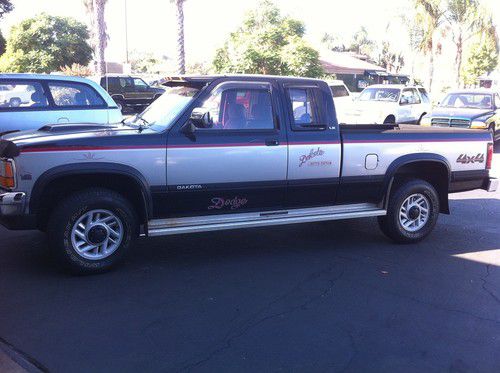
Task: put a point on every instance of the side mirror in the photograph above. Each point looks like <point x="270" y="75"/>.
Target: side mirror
<point x="201" y="118"/>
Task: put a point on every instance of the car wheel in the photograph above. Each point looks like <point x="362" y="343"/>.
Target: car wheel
<point x="91" y="230"/>
<point x="412" y="212"/>
<point x="15" y="102"/>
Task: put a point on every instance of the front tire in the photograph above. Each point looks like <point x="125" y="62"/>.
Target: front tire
<point x="91" y="230"/>
<point x="412" y="212"/>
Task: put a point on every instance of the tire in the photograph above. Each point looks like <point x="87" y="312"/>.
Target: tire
<point x="411" y="225"/>
<point x="111" y="233"/>
<point x="15" y="102"/>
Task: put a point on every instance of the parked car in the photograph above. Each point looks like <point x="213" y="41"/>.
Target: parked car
<point x="30" y="101"/>
<point x="342" y="98"/>
<point x="229" y="152"/>
<point x="471" y="108"/>
<point x="130" y="92"/>
<point x="394" y="103"/>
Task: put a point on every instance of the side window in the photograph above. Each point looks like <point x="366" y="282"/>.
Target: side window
<point x="68" y="94"/>
<point x="497" y="101"/>
<point x="138" y="82"/>
<point x="406" y="97"/>
<point x="339" y="91"/>
<point x="415" y="97"/>
<point x="21" y="94"/>
<point x="425" y="96"/>
<point x="304" y="108"/>
<point x="125" y="83"/>
<point x="237" y="109"/>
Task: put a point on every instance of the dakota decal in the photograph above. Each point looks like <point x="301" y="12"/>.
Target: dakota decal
<point x="313" y="153"/>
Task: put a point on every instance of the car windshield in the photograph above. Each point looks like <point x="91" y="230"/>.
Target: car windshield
<point x="379" y="94"/>
<point x="468" y="100"/>
<point x="162" y="112"/>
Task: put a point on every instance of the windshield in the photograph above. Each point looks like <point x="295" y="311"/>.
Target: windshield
<point x="468" y="100"/>
<point x="162" y="112"/>
<point x="379" y="94"/>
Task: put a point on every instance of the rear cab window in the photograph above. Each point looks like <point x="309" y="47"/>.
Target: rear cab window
<point x="18" y="95"/>
<point x="339" y="91"/>
<point x="425" y="96"/>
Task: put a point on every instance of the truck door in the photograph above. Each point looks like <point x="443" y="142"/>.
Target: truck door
<point x="237" y="165"/>
<point x="314" y="161"/>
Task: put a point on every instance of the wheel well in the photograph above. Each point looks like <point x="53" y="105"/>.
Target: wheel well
<point x="435" y="173"/>
<point x="390" y="119"/>
<point x="61" y="187"/>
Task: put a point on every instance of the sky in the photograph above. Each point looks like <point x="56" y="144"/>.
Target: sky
<point x="152" y="23"/>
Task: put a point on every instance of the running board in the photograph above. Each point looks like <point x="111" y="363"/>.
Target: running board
<point x="163" y="227"/>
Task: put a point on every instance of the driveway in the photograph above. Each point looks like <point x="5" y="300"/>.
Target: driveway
<point x="313" y="297"/>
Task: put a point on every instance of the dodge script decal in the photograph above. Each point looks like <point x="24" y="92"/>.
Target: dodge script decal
<point x="219" y="203"/>
<point x="465" y="159"/>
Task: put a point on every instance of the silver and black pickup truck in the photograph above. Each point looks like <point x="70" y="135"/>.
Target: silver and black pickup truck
<point x="226" y="152"/>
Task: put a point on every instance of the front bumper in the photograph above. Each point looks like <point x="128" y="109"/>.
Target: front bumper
<point x="12" y="211"/>
<point x="492" y="185"/>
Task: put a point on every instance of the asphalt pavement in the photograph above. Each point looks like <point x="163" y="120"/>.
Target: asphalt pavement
<point x="335" y="296"/>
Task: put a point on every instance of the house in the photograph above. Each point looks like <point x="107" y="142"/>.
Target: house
<point x="356" y="72"/>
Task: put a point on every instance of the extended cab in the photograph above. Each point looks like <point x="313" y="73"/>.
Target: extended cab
<point x="226" y="152"/>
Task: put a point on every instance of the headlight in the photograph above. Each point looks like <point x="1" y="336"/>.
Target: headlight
<point x="478" y="124"/>
<point x="7" y="174"/>
<point x="425" y="121"/>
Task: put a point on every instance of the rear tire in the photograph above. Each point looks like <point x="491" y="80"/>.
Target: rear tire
<point x="91" y="230"/>
<point x="412" y="212"/>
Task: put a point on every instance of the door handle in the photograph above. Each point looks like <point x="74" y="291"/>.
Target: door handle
<point x="272" y="142"/>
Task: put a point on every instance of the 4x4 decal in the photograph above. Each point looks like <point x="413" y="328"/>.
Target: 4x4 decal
<point x="465" y="159"/>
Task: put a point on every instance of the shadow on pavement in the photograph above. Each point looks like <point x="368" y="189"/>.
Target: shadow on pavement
<point x="328" y="296"/>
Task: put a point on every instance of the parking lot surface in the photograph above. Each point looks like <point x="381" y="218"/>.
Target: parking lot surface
<point x="334" y="296"/>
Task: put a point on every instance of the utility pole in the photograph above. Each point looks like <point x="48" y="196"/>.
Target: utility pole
<point x="126" y="33"/>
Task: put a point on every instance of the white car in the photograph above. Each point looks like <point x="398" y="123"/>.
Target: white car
<point x="390" y="103"/>
<point x="31" y="101"/>
<point x="343" y="99"/>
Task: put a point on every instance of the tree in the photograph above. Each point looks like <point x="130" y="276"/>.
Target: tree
<point x="482" y="56"/>
<point x="46" y="43"/>
<point x="429" y="18"/>
<point x="390" y="60"/>
<point x="2" y="44"/>
<point x="96" y="8"/>
<point x="333" y="43"/>
<point x="465" y="20"/>
<point x="361" y="43"/>
<point x="5" y="7"/>
<point x="268" y="43"/>
<point x="181" y="56"/>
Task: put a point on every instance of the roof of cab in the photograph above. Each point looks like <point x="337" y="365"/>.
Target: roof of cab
<point x="210" y="78"/>
<point x="488" y="91"/>
<point x="395" y="86"/>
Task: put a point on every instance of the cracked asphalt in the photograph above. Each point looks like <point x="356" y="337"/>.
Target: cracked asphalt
<point x="334" y="296"/>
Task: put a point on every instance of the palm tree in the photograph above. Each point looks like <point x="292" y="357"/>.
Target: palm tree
<point x="95" y="8"/>
<point x="181" y="56"/>
<point x="429" y="18"/>
<point x="465" y="20"/>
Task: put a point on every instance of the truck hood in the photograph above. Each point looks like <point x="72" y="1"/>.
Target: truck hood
<point x="70" y="135"/>
<point x="459" y="113"/>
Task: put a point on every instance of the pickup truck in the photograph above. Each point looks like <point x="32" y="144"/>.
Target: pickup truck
<point x="226" y="152"/>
